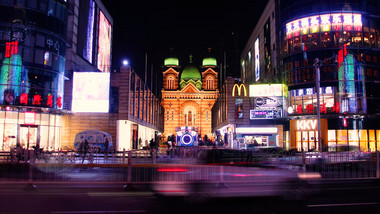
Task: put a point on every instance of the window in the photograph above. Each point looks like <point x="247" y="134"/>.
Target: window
<point x="206" y="116"/>
<point x="170" y="82"/>
<point x="167" y="115"/>
<point x="172" y="115"/>
<point x="209" y="83"/>
<point x="189" y="119"/>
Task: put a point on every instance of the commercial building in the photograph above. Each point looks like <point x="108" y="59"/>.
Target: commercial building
<point x="32" y="56"/>
<point x="261" y="76"/>
<point x="97" y="97"/>
<point x="344" y="37"/>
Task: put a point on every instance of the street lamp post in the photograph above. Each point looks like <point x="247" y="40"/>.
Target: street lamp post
<point x="317" y="65"/>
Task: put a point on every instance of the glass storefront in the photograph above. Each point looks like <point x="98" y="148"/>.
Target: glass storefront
<point x="304" y="137"/>
<point x="29" y="129"/>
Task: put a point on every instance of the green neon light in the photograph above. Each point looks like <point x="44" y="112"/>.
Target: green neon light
<point x="209" y="62"/>
<point x="171" y="62"/>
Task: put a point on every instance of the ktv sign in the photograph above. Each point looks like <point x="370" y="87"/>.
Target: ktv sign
<point x="307" y="124"/>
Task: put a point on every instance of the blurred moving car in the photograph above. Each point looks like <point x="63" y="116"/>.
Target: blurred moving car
<point x="199" y="182"/>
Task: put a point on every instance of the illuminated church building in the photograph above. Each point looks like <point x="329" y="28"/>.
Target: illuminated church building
<point x="188" y="97"/>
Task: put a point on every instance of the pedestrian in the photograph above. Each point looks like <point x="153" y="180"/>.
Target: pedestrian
<point x="84" y="148"/>
<point x="19" y="151"/>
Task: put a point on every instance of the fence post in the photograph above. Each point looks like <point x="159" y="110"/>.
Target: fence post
<point x="30" y="185"/>
<point x="221" y="177"/>
<point x="303" y="161"/>
<point x="377" y="164"/>
<point x="123" y="155"/>
<point x="154" y="155"/>
<point x="129" y="185"/>
<point x="129" y="166"/>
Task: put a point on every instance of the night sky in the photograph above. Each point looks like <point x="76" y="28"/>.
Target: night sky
<point x="152" y="28"/>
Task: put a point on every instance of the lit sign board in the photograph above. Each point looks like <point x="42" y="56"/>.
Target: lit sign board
<point x="104" y="47"/>
<point x="323" y="23"/>
<point x="30" y="118"/>
<point x="306" y="124"/>
<point x="265" y="90"/>
<point x="91" y="92"/>
<point x="257" y="60"/>
<point x="265" y="114"/>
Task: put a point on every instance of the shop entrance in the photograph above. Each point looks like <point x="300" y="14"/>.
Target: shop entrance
<point x="135" y="135"/>
<point x="28" y="136"/>
<point x="307" y="140"/>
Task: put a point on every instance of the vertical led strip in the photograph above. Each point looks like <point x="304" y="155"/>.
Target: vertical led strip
<point x="257" y="60"/>
<point x="90" y="32"/>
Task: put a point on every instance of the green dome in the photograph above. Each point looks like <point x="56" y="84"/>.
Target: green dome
<point x="209" y="61"/>
<point x="191" y="72"/>
<point x="171" y="61"/>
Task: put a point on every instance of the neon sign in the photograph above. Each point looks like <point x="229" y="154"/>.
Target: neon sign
<point x="239" y="87"/>
<point x="11" y="48"/>
<point x="324" y="22"/>
<point x="306" y="124"/>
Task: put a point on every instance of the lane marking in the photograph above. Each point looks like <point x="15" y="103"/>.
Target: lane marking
<point x="84" y="212"/>
<point x="103" y="194"/>
<point x="337" y="205"/>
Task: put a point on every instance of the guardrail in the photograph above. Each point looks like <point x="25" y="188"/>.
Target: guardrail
<point x="141" y="166"/>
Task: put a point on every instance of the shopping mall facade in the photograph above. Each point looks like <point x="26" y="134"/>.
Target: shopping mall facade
<point x="345" y="37"/>
<point x="32" y="56"/>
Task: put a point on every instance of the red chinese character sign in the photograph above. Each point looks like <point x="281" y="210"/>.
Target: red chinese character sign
<point x="299" y="109"/>
<point x="323" y="108"/>
<point x="310" y="109"/>
<point x="336" y="108"/>
<point x="49" y="101"/>
<point x="59" y="101"/>
<point x="37" y="99"/>
<point x="24" y="98"/>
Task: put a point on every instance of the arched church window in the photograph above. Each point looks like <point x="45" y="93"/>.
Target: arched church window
<point x="189" y="118"/>
<point x="172" y="115"/>
<point x="167" y="115"/>
<point x="170" y="82"/>
<point x="210" y="83"/>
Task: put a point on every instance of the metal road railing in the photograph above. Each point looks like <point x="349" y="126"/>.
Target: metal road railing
<point x="196" y="164"/>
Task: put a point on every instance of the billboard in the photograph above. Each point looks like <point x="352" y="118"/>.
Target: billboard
<point x="104" y="44"/>
<point x="91" y="92"/>
<point x="266" y="90"/>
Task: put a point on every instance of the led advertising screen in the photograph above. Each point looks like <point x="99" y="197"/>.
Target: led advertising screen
<point x="257" y="60"/>
<point x="91" y="92"/>
<point x="266" y="90"/>
<point x="104" y="44"/>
